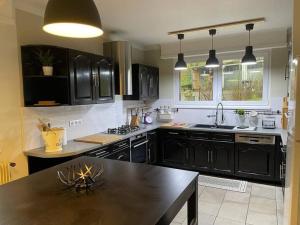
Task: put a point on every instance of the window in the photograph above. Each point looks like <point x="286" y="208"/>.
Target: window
<point x="232" y="83"/>
<point x="196" y="83"/>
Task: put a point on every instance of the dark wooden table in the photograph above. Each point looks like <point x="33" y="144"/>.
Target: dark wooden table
<point x="127" y="194"/>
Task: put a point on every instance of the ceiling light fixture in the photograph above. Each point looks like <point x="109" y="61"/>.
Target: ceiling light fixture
<point x="249" y="58"/>
<point x="212" y="61"/>
<point x="180" y="64"/>
<point x="72" y="18"/>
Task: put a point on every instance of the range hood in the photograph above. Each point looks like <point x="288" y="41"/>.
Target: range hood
<point x="120" y="51"/>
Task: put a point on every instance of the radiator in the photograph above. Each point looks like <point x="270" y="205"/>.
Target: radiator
<point x="5" y="172"/>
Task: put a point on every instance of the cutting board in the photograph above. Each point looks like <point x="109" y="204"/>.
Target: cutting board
<point x="100" y="138"/>
<point x="174" y="125"/>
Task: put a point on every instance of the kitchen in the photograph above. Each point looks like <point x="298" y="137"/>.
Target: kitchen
<point x="181" y="107"/>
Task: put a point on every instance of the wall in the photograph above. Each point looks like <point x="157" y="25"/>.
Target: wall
<point x="10" y="97"/>
<point x="278" y="85"/>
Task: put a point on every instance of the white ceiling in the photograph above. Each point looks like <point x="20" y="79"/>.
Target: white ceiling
<point x="147" y="22"/>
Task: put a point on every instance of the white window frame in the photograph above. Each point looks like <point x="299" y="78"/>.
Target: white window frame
<point x="217" y="85"/>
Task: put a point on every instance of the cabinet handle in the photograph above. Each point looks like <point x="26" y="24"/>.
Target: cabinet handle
<point x="175" y="133"/>
<point x="208" y="157"/>
<point x="280" y="172"/>
<point x="212" y="158"/>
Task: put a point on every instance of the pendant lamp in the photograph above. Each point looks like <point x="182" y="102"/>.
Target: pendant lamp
<point x="180" y="64"/>
<point x="249" y="58"/>
<point x="212" y="61"/>
<point x="72" y="18"/>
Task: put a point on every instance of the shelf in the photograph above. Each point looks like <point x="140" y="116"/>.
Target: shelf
<point x="47" y="77"/>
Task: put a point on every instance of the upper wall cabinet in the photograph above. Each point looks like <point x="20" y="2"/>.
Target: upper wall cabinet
<point x="145" y="83"/>
<point x="76" y="78"/>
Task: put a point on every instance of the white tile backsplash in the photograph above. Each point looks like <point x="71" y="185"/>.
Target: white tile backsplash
<point x="201" y="115"/>
<point x="95" y="118"/>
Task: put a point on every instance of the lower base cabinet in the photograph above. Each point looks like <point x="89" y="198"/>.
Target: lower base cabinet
<point x="213" y="156"/>
<point x="222" y="157"/>
<point x="255" y="161"/>
<point x="218" y="154"/>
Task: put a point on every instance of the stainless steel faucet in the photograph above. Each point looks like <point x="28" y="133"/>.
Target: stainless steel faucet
<point x="217" y="112"/>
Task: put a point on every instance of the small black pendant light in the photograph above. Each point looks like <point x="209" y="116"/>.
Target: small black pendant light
<point x="72" y="18"/>
<point x="212" y="61"/>
<point x="249" y="58"/>
<point x="180" y="64"/>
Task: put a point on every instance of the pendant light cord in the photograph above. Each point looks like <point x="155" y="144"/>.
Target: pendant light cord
<point x="249" y="38"/>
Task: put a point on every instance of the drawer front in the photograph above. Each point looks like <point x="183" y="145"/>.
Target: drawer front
<point x="223" y="137"/>
<point x="198" y="135"/>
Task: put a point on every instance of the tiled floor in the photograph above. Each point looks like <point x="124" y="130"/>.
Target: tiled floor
<point x="259" y="205"/>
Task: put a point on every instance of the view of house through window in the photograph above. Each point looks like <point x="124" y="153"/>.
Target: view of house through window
<point x="234" y="82"/>
<point x="196" y="83"/>
<point x="242" y="83"/>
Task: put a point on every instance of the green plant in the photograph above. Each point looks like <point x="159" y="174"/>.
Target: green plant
<point x="240" y="112"/>
<point x="45" y="57"/>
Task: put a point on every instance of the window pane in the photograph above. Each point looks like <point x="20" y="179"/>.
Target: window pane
<point x="196" y="83"/>
<point x="242" y="83"/>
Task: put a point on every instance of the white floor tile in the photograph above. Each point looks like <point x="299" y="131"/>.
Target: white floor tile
<point x="256" y="218"/>
<point x="212" y="195"/>
<point x="265" y="191"/>
<point x="237" y="197"/>
<point x="223" y="221"/>
<point x="209" y="208"/>
<point x="262" y="205"/>
<point x="234" y="211"/>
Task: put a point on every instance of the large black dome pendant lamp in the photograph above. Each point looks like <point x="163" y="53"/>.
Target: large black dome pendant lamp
<point x="180" y="64"/>
<point x="72" y="18"/>
<point x="212" y="61"/>
<point x="249" y="58"/>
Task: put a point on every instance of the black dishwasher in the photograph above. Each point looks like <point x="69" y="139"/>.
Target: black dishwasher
<point x="254" y="156"/>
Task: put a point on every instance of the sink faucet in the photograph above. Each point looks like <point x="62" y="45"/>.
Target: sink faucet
<point x="217" y="112"/>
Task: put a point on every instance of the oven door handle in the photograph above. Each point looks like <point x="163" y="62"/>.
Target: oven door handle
<point x="135" y="146"/>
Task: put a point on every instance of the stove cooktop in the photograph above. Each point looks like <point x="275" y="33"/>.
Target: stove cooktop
<point x="123" y="130"/>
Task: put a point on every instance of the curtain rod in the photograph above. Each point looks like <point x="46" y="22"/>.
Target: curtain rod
<point x="255" y="20"/>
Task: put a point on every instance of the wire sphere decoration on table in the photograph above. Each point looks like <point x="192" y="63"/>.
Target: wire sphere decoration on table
<point x="80" y="176"/>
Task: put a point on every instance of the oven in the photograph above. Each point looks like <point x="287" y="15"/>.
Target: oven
<point x="138" y="148"/>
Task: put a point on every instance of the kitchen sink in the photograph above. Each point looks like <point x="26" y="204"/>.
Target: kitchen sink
<point x="226" y="127"/>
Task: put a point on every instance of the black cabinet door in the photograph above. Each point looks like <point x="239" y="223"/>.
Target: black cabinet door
<point x="81" y="78"/>
<point x="174" y="151"/>
<point x="222" y="157"/>
<point x="103" y="79"/>
<point x="255" y="161"/>
<point x="202" y="152"/>
<point x="152" y="147"/>
<point x="153" y="83"/>
<point x="144" y="82"/>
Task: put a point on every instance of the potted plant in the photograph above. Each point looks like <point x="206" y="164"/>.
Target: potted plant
<point x="241" y="116"/>
<point x="46" y="59"/>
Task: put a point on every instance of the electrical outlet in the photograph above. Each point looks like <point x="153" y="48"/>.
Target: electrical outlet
<point x="75" y="123"/>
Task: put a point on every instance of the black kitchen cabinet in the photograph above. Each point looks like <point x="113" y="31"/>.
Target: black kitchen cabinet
<point x="152" y="146"/>
<point x="145" y="83"/>
<point x="255" y="161"/>
<point x="202" y="152"/>
<point x="222" y="157"/>
<point x="81" y="77"/>
<point x="78" y="78"/>
<point x="174" y="148"/>
<point x="36" y="164"/>
<point x="213" y="155"/>
<point x="103" y="79"/>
